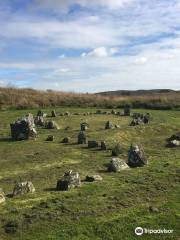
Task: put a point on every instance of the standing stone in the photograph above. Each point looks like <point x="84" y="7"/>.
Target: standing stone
<point x="2" y="196"/>
<point x="117" y="150"/>
<point x="82" y="138"/>
<point x="113" y="112"/>
<point x="53" y="113"/>
<point x="51" y="125"/>
<point x="146" y="118"/>
<point x="84" y="126"/>
<point x="136" y="156"/>
<point x="41" y="114"/>
<point x="109" y="125"/>
<point x="69" y="180"/>
<point x="39" y="121"/>
<point x="21" y="188"/>
<point x="24" y="128"/>
<point x="117" y="165"/>
<point x="93" y="144"/>
<point x="103" y="146"/>
<point x="127" y="109"/>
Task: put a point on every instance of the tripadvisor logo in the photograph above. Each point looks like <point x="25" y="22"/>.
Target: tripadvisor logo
<point x="140" y="231"/>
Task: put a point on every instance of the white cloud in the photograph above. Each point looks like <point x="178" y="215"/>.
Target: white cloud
<point x="100" y="52"/>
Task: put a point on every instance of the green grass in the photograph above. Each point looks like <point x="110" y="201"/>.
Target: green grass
<point x="105" y="210"/>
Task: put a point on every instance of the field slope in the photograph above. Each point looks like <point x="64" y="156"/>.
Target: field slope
<point x="106" y="210"/>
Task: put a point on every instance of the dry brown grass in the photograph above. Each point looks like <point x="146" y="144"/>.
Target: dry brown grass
<point x="29" y="98"/>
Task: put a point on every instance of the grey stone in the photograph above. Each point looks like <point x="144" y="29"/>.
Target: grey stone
<point x="50" y="138"/>
<point x="84" y="126"/>
<point x="109" y="125"/>
<point x="117" y="126"/>
<point x="23" y="128"/>
<point x="69" y="180"/>
<point x="136" y="156"/>
<point x="51" y="125"/>
<point x="103" y="146"/>
<point x="127" y="110"/>
<point x="117" y="165"/>
<point x="175" y="137"/>
<point x="66" y="140"/>
<point x="39" y="121"/>
<point x="93" y="144"/>
<point x="53" y="113"/>
<point x="82" y="138"/>
<point x="173" y="143"/>
<point x="21" y="188"/>
<point x="93" y="178"/>
<point x="67" y="114"/>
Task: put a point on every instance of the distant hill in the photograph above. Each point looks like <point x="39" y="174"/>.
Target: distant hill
<point x="136" y="92"/>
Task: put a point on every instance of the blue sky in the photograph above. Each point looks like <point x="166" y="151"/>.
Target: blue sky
<point x="90" y="46"/>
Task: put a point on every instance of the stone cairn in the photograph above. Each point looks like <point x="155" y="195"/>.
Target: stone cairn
<point x="24" y="128"/>
<point x="82" y="138"/>
<point x="21" y="188"/>
<point x="136" y="156"/>
<point x="69" y="180"/>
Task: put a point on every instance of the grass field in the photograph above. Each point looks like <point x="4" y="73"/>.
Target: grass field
<point x="106" y="210"/>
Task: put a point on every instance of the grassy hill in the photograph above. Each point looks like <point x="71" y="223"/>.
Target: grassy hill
<point x="106" y="210"/>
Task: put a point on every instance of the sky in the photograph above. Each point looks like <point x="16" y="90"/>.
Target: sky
<point x="90" y="46"/>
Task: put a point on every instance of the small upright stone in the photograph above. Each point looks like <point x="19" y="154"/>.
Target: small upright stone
<point x="39" y="121"/>
<point x="127" y="109"/>
<point x="66" y="140"/>
<point x="117" y="150"/>
<point x="109" y="125"/>
<point x="84" y="126"/>
<point x="117" y="165"/>
<point x="53" y="113"/>
<point x="136" y="156"/>
<point x="113" y="112"/>
<point x="103" y="146"/>
<point x="82" y="138"/>
<point x="21" y="188"/>
<point x="69" y="180"/>
<point x="2" y="196"/>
